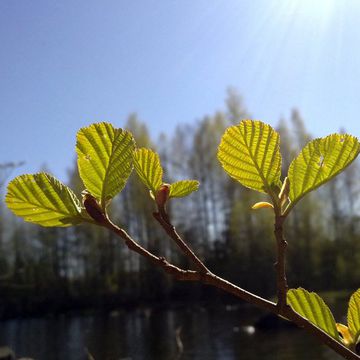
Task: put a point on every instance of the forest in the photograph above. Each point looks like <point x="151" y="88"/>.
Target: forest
<point x="59" y="269"/>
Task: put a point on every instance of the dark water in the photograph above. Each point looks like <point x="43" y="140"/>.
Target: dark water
<point x="206" y="334"/>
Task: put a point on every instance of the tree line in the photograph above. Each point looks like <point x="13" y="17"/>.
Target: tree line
<point x="54" y="269"/>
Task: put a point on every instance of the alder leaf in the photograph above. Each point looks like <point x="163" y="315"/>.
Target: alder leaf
<point x="312" y="307"/>
<point x="183" y="188"/>
<point x="353" y="315"/>
<point x="43" y="200"/>
<point x="319" y="161"/>
<point x="104" y="159"/>
<point x="147" y="166"/>
<point x="250" y="153"/>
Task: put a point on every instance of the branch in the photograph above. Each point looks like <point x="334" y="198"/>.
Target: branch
<point x="163" y="219"/>
<point x="216" y="281"/>
<point x="169" y="268"/>
<point x="282" y="286"/>
<point x="319" y="334"/>
<point x="189" y="275"/>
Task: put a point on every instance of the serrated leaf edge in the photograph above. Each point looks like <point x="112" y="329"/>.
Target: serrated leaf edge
<point x="322" y="306"/>
<point x="75" y="201"/>
<point x="241" y="128"/>
<point x="195" y="182"/>
<point x="296" y="200"/>
<point x="140" y="168"/>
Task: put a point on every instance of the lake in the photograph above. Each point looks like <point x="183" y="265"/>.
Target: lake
<point x="222" y="332"/>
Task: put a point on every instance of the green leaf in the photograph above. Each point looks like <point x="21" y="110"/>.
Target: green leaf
<point x="147" y="166"/>
<point x="319" y="161"/>
<point x="250" y="153"/>
<point x="43" y="200"/>
<point x="312" y="307"/>
<point x="183" y="188"/>
<point x="104" y="159"/>
<point x="353" y="315"/>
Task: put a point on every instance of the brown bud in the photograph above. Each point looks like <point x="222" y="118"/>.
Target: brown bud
<point x="93" y="208"/>
<point x="162" y="194"/>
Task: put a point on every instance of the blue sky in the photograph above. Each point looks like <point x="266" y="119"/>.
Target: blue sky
<point x="65" y="64"/>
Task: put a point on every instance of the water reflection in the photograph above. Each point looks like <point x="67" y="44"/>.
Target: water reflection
<point x="151" y="334"/>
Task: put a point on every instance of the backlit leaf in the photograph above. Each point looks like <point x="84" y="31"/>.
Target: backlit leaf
<point x="312" y="307"/>
<point x="353" y="315"/>
<point x="319" y="161"/>
<point x="43" y="200"/>
<point x="147" y="166"/>
<point x="183" y="188"/>
<point x="250" y="153"/>
<point x="104" y="159"/>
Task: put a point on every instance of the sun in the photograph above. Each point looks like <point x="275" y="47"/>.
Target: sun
<point x="316" y="12"/>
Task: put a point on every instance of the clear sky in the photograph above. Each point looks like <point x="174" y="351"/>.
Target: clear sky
<point x="65" y="64"/>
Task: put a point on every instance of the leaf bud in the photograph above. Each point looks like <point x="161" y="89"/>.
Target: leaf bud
<point x="92" y="207"/>
<point x="162" y="194"/>
<point x="261" y="205"/>
<point x="345" y="334"/>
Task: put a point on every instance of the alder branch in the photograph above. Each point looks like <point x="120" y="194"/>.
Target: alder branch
<point x="190" y="275"/>
<point x="282" y="288"/>
<point x="281" y="244"/>
<point x="179" y="274"/>
<point x="163" y="219"/>
<point x="319" y="334"/>
<point x="213" y="280"/>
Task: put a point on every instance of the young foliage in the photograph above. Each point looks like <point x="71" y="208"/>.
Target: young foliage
<point x="346" y="336"/>
<point x="250" y="153"/>
<point x="43" y="200"/>
<point x="147" y="166"/>
<point x="104" y="159"/>
<point x="262" y="205"/>
<point x="319" y="161"/>
<point x="353" y="315"/>
<point x="313" y="308"/>
<point x="183" y="188"/>
<point x="350" y="334"/>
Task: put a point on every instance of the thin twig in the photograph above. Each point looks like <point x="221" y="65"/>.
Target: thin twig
<point x="163" y="219"/>
<point x="281" y="244"/>
<point x="216" y="281"/>
<point x="179" y="274"/>
<point x="282" y="288"/>
<point x="190" y="275"/>
<point x="323" y="337"/>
